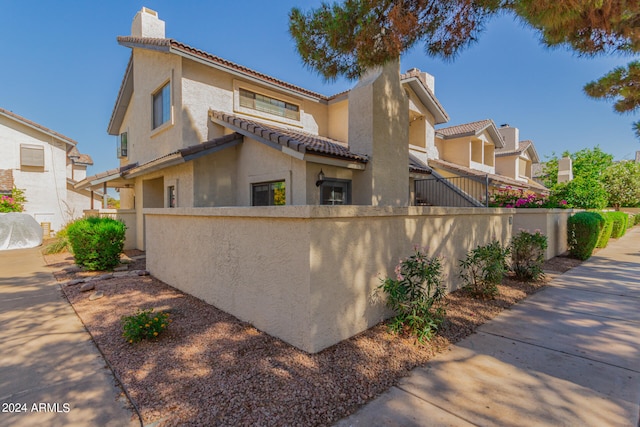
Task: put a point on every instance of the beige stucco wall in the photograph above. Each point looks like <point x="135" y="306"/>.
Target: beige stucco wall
<point x="307" y="274"/>
<point x="507" y="166"/>
<point x="338" y="120"/>
<point x="551" y="222"/>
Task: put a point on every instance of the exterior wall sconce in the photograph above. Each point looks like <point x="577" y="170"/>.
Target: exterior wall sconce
<point x="320" y="178"/>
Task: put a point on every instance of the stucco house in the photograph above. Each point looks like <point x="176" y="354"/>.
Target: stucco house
<point x="234" y="170"/>
<point x="46" y="165"/>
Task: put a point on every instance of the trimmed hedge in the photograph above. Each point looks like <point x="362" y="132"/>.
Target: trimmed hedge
<point x="605" y="234"/>
<point x="619" y="224"/>
<point x="97" y="242"/>
<point x="583" y="231"/>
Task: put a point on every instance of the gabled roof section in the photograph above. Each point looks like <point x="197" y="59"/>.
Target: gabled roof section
<point x="523" y="146"/>
<point x="288" y="140"/>
<point x="472" y="129"/>
<point x="427" y="97"/>
<point x="499" y="179"/>
<point x="79" y="158"/>
<point x="37" y="127"/>
<point x="118" y="177"/>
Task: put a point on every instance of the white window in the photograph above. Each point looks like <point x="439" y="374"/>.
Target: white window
<point x="162" y="106"/>
<point x="267" y="104"/>
<point x="122" y="145"/>
<point x="31" y="156"/>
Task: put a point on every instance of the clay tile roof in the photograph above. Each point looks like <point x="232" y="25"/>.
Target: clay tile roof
<point x="79" y="158"/>
<point x="465" y="129"/>
<point x="493" y="177"/>
<point x="37" y="126"/>
<point x="168" y="44"/>
<point x="295" y="140"/>
<point x="417" y="165"/>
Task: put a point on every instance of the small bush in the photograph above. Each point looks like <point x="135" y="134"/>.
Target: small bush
<point x="145" y="324"/>
<point x="583" y="231"/>
<point x="413" y="295"/>
<point x="527" y="255"/>
<point x="483" y="269"/>
<point x="636" y="219"/>
<point x="97" y="242"/>
<point x="605" y="234"/>
<point x="619" y="224"/>
<point x="60" y="244"/>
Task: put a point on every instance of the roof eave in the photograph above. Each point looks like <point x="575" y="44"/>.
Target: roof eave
<point x="122" y="101"/>
<point x="428" y="99"/>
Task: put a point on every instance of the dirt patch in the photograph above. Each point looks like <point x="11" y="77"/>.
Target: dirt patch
<point x="209" y="368"/>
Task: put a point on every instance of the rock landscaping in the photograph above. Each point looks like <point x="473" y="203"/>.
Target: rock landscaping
<point x="209" y="368"/>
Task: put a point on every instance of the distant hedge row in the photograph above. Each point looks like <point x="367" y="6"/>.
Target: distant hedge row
<point x="589" y="230"/>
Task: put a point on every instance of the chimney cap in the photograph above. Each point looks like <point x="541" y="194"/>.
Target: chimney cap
<point x="505" y="125"/>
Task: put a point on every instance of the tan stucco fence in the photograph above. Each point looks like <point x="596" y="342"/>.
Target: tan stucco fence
<point x="551" y="222"/>
<point x="307" y="274"/>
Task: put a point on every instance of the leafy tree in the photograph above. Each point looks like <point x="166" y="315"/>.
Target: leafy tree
<point x="622" y="183"/>
<point x="587" y="189"/>
<point x="113" y="203"/>
<point x="348" y="37"/>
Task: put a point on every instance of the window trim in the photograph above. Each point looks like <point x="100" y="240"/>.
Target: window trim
<point x="123" y="152"/>
<point x="172" y="197"/>
<point x="32" y="167"/>
<point x="270" y="183"/>
<point x="237" y="108"/>
<point x="168" y="84"/>
<point x="344" y="182"/>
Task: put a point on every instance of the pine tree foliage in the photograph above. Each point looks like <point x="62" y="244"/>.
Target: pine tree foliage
<point x="349" y="37"/>
<point x="345" y="38"/>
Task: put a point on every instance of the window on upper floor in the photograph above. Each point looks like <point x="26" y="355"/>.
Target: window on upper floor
<point x="335" y="192"/>
<point x="267" y="104"/>
<point x="122" y="145"/>
<point x="268" y="194"/>
<point x="171" y="196"/>
<point x="162" y="105"/>
<point x="32" y="157"/>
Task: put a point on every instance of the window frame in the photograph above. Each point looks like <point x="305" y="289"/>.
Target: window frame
<point x="163" y="93"/>
<point x="172" y="199"/>
<point x="32" y="167"/>
<point x="335" y="182"/>
<point x="123" y="145"/>
<point x="271" y="192"/>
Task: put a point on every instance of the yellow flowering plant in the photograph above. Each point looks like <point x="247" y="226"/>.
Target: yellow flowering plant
<point x="144" y="324"/>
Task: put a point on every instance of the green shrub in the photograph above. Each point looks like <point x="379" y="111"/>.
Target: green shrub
<point x="527" y="255"/>
<point x="414" y="295"/>
<point x="97" y="242"/>
<point x="605" y="234"/>
<point x="619" y="224"/>
<point x="144" y="325"/>
<point x="583" y="231"/>
<point x="483" y="269"/>
<point x="636" y="219"/>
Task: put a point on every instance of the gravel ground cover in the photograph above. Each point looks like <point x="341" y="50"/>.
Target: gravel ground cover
<point x="209" y="368"/>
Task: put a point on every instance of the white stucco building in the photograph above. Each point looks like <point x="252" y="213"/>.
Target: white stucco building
<point x="46" y="165"/>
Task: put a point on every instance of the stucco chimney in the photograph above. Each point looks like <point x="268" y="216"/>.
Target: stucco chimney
<point x="511" y="137"/>
<point x="378" y="117"/>
<point x="147" y="24"/>
<point x="565" y="169"/>
<point x="637" y="156"/>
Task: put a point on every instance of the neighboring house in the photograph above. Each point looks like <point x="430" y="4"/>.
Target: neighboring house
<point x="46" y="165"/>
<point x="196" y="130"/>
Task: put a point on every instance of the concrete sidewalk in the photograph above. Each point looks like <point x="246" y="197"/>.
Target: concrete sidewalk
<point x="51" y="373"/>
<point x="568" y="355"/>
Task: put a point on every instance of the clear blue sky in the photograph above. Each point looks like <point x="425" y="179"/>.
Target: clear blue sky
<point x="62" y="67"/>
